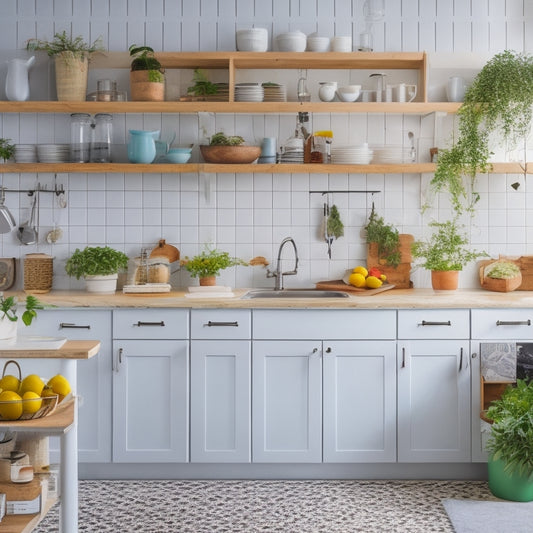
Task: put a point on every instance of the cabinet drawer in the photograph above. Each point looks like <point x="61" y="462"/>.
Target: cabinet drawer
<point x="434" y="324"/>
<point x="151" y="324"/>
<point x="220" y="324"/>
<point x="513" y="324"/>
<point x="324" y="324"/>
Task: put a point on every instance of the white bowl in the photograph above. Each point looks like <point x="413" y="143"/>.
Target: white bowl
<point x="317" y="44"/>
<point x="291" y="42"/>
<point x="349" y="93"/>
<point x="252" y="40"/>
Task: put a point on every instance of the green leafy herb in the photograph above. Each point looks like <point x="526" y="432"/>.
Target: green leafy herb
<point x="210" y="263"/>
<point x="334" y="223"/>
<point x="502" y="270"/>
<point x="95" y="261"/>
<point x="7" y="150"/>
<point x="63" y="43"/>
<point x="386" y="237"/>
<point x="202" y="86"/>
<point x="446" y="249"/>
<point x="221" y="139"/>
<point x="144" y="59"/>
<point x="8" y="308"/>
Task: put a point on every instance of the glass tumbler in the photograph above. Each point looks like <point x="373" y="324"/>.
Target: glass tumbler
<point x="101" y="138"/>
<point x="80" y="137"/>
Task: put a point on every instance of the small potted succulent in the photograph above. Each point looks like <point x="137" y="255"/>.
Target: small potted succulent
<point x="229" y="149"/>
<point x="147" y="76"/>
<point x="8" y="314"/>
<point x="445" y="253"/>
<point x="207" y="265"/>
<point x="98" y="265"/>
<point x="7" y="150"/>
<point x="71" y="63"/>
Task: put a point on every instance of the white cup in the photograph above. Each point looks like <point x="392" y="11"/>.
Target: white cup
<point x="368" y="96"/>
<point x="341" y="43"/>
<point x="455" y="90"/>
<point x="326" y="91"/>
<point x="388" y="93"/>
<point x="268" y="147"/>
<point x="404" y="92"/>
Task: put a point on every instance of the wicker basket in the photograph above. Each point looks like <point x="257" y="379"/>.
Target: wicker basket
<point x="38" y="273"/>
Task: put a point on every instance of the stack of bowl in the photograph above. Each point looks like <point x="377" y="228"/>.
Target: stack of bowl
<point x="349" y="93"/>
<point x="252" y="40"/>
<point x="341" y="43"/>
<point x="294" y="41"/>
<point x="178" y="155"/>
<point x="316" y="43"/>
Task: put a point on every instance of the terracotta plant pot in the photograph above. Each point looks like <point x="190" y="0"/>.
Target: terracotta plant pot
<point x="444" y="280"/>
<point x="144" y="90"/>
<point x="71" y="76"/>
<point x="208" y="281"/>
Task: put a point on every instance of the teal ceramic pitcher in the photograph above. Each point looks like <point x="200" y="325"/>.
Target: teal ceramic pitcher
<point x="141" y="146"/>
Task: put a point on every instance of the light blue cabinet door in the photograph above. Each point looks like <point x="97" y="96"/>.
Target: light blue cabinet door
<point x="220" y="401"/>
<point x="93" y="376"/>
<point x="359" y="401"/>
<point x="434" y="401"/>
<point x="287" y="401"/>
<point x="150" y="401"/>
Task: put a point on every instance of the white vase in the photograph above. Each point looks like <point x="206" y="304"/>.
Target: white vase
<point x="8" y="329"/>
<point x="101" y="284"/>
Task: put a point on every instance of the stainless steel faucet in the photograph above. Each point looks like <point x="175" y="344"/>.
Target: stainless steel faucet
<point x="278" y="274"/>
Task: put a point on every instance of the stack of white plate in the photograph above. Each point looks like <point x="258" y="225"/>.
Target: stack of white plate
<point x="25" y="153"/>
<point x="391" y="154"/>
<point x="274" y="93"/>
<point x="53" y="153"/>
<point x="351" y="155"/>
<point x="292" y="151"/>
<point x="249" y="92"/>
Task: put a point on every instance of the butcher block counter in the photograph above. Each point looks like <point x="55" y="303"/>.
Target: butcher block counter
<point x="392" y="299"/>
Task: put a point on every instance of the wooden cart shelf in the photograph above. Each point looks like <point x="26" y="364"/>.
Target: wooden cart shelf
<point x="21" y="523"/>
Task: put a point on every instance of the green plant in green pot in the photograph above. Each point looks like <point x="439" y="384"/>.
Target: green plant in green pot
<point x="71" y="55"/>
<point x="207" y="265"/>
<point x="497" y="109"/>
<point x="98" y="265"/>
<point x="511" y="443"/>
<point x="147" y="76"/>
<point x="445" y="253"/>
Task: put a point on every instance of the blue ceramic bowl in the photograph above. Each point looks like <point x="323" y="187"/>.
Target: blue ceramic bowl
<point x="177" y="156"/>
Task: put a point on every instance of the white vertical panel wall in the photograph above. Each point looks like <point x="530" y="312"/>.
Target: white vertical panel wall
<point x="249" y="215"/>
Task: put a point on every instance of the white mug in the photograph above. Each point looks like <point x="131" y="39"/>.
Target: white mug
<point x="455" y="90"/>
<point x="404" y="92"/>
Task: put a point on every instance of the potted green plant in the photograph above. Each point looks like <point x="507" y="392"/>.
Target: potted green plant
<point x="98" y="265"/>
<point x="71" y="57"/>
<point x="8" y="314"/>
<point x="147" y="76"/>
<point x="229" y="149"/>
<point x="497" y="108"/>
<point x="202" y="86"/>
<point x="510" y="445"/>
<point x="445" y="253"/>
<point x="7" y="150"/>
<point x="207" y="265"/>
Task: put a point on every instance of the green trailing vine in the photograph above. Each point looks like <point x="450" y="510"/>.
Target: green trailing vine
<point x="498" y="103"/>
<point x="387" y="238"/>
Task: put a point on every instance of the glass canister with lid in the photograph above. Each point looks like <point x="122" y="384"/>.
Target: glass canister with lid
<point x="102" y="137"/>
<point x="80" y="137"/>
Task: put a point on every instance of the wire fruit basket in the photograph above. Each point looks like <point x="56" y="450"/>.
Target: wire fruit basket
<point x="26" y="409"/>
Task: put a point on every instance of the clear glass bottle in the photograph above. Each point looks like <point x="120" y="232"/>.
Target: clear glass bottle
<point x="80" y="137"/>
<point x="102" y="137"/>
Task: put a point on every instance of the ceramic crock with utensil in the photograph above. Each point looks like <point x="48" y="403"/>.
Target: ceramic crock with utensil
<point x="141" y="146"/>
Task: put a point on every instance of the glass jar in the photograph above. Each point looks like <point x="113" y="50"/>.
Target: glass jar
<point x="101" y="138"/>
<point x="80" y="137"/>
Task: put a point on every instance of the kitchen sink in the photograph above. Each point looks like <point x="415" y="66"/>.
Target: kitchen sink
<point x="293" y="293"/>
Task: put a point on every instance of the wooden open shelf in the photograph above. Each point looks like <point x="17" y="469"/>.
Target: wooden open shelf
<point x="24" y="523"/>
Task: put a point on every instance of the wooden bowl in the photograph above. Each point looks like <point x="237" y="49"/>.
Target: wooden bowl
<point x="230" y="154"/>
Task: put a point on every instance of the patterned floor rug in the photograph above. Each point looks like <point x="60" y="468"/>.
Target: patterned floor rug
<point x="267" y="506"/>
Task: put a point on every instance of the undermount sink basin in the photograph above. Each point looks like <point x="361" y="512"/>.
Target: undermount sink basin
<point x="293" y="293"/>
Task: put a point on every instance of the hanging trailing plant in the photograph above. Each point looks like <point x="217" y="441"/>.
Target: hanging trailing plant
<point x="499" y="105"/>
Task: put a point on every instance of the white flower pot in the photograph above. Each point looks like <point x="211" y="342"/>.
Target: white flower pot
<point x="8" y="329"/>
<point x="102" y="284"/>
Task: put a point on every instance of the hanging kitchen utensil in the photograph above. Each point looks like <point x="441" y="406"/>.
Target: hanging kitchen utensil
<point x="7" y="221"/>
<point x="27" y="232"/>
<point x="7" y="273"/>
<point x="327" y="236"/>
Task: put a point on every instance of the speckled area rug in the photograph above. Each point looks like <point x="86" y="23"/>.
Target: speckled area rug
<point x="318" y="506"/>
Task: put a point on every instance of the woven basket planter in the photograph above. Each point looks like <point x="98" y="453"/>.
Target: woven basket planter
<point x="38" y="273"/>
<point x="71" y="76"/>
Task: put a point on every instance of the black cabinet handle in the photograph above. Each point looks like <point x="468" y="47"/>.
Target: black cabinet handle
<point x="461" y="361"/>
<point x="140" y="324"/>
<point x="211" y="324"/>
<point x="513" y="322"/>
<point x="67" y="325"/>
<point x="429" y="323"/>
<point x="328" y="349"/>
<point x="403" y="357"/>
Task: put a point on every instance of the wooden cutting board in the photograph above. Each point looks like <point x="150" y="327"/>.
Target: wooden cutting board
<point x="339" y="285"/>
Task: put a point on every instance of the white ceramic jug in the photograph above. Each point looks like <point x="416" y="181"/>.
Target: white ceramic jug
<point x="17" y="82"/>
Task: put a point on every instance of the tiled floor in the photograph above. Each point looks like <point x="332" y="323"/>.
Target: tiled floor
<point x="267" y="506"/>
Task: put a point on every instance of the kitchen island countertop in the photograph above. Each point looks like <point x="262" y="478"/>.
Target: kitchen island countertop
<point x="392" y="299"/>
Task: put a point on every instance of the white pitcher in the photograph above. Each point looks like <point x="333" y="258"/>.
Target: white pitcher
<point x="17" y="82"/>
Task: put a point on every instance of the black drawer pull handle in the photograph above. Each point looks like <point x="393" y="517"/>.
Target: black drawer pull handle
<point x="67" y="325"/>
<point x="139" y="324"/>
<point x="211" y="324"/>
<point x="429" y="323"/>
<point x="513" y="322"/>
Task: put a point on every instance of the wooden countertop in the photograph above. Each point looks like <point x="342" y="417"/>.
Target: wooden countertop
<point x="72" y="349"/>
<point x="392" y="299"/>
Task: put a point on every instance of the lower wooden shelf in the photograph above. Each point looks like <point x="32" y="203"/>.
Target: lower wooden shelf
<point x="25" y="523"/>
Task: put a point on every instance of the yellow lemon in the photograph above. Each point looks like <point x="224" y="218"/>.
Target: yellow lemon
<point x="59" y="384"/>
<point x="10" y="383"/>
<point x="383" y="277"/>
<point x="33" y="383"/>
<point x="373" y="283"/>
<point x="33" y="402"/>
<point x="357" y="280"/>
<point x="360" y="270"/>
<point x="10" y="405"/>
